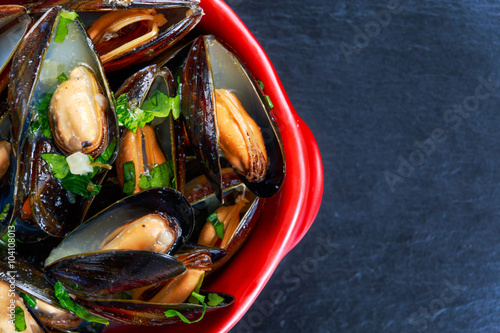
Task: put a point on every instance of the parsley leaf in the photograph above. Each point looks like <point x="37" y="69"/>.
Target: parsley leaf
<point x="41" y="122"/>
<point x="219" y="227"/>
<point x="160" y="176"/>
<point x="19" y="321"/>
<point x="68" y="303"/>
<point x="62" y="28"/>
<point x="174" y="313"/>
<point x="81" y="185"/>
<point x="125" y="117"/>
<point x="268" y="102"/>
<point x="4" y="212"/>
<point x="156" y="105"/>
<point x="58" y="164"/>
<point x="105" y="156"/>
<point x="62" y="77"/>
<point x="31" y="301"/>
<point x="128" y="177"/>
<point x="214" y="299"/>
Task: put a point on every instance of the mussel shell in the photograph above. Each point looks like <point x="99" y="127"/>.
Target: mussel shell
<point x="149" y="314"/>
<point x="198" y="188"/>
<point x="28" y="84"/>
<point x="198" y="109"/>
<point x="14" y="22"/>
<point x="111" y="272"/>
<point x="169" y="131"/>
<point x="182" y="17"/>
<point x="249" y="217"/>
<point x="27" y="278"/>
<point x="89" y="236"/>
<point x="211" y="66"/>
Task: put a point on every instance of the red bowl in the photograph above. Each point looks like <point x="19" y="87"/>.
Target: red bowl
<point x="288" y="215"/>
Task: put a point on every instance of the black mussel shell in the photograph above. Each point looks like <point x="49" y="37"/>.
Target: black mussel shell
<point x="111" y="272"/>
<point x="150" y="314"/>
<point x="89" y="236"/>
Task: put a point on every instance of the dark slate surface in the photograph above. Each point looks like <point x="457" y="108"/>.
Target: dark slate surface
<point x="422" y="255"/>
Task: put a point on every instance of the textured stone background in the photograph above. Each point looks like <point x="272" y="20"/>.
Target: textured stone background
<point x="411" y="224"/>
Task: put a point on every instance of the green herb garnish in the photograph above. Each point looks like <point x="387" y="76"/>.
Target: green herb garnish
<point x="174" y="313"/>
<point x="261" y="85"/>
<point x="31" y="301"/>
<point x="269" y="103"/>
<point x="81" y="185"/>
<point x="214" y="299"/>
<point x="41" y="122"/>
<point x="62" y="77"/>
<point x="19" y="321"/>
<point x="161" y="175"/>
<point x="62" y="28"/>
<point x="128" y="177"/>
<point x="156" y="105"/>
<point x="105" y="156"/>
<point x="4" y="212"/>
<point x="218" y="225"/>
<point x="68" y="303"/>
<point x="58" y="164"/>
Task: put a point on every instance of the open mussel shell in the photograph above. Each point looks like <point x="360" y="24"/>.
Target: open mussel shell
<point x="37" y="65"/>
<point x="14" y="23"/>
<point x="210" y="66"/>
<point x="169" y="131"/>
<point x="26" y="277"/>
<point x="181" y="15"/>
<point x="149" y="314"/>
<point x="111" y="272"/>
<point x="89" y="236"/>
<point x="249" y="216"/>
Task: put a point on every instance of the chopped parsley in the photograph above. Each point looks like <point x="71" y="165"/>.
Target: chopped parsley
<point x="161" y="175"/>
<point x="128" y="177"/>
<point x="214" y="299"/>
<point x="80" y="185"/>
<point x="4" y="212"/>
<point x="62" y="28"/>
<point x="19" y="321"/>
<point x="218" y="225"/>
<point x="62" y="77"/>
<point x="174" y="313"/>
<point x="67" y="302"/>
<point x="58" y="164"/>
<point x="269" y="103"/>
<point x="267" y="99"/>
<point x="41" y="122"/>
<point x="156" y="105"/>
<point x="31" y="301"/>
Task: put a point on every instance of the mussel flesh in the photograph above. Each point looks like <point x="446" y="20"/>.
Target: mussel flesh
<point x="77" y="114"/>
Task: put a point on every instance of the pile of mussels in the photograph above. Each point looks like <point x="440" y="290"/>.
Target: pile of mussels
<point x="114" y="206"/>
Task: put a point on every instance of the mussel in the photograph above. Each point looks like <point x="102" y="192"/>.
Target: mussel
<point x="50" y="117"/>
<point x="162" y="140"/>
<point x="216" y="85"/>
<point x="130" y="32"/>
<point x="14" y="23"/>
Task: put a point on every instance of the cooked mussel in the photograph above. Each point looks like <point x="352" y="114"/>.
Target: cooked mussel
<point x="95" y="233"/>
<point x="11" y="305"/>
<point x="159" y="143"/>
<point x="50" y="116"/>
<point x="77" y="114"/>
<point x="14" y="22"/>
<point x="131" y="32"/>
<point x="224" y="111"/>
